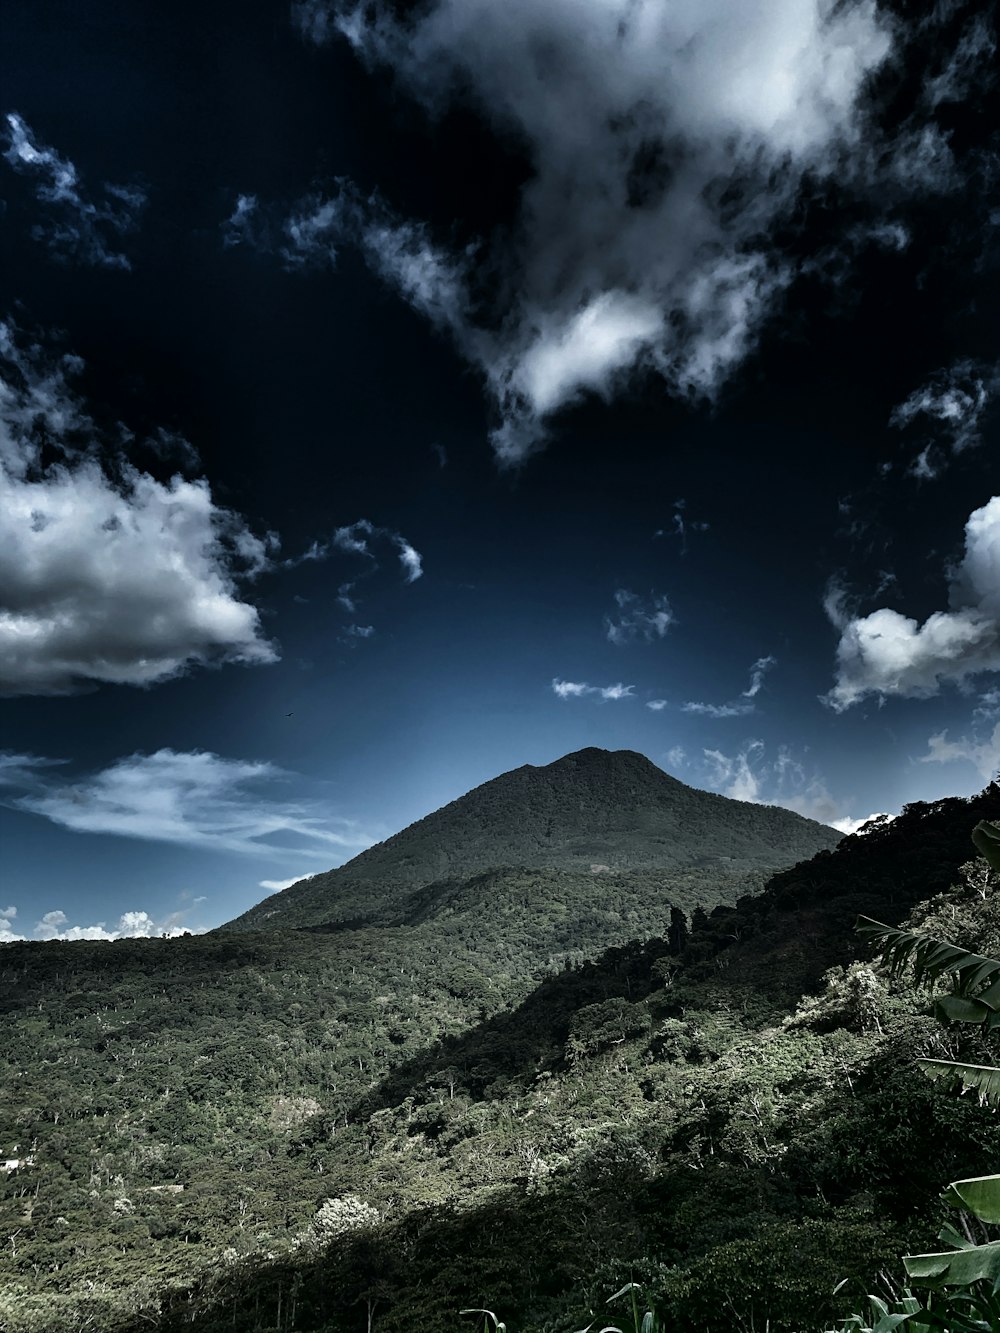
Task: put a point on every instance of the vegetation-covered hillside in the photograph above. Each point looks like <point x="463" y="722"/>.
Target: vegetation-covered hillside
<point x="312" y="1130"/>
<point x="590" y="812"/>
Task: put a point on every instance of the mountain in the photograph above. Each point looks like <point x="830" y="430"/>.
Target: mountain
<point x="477" y="1103"/>
<point x="591" y="812"/>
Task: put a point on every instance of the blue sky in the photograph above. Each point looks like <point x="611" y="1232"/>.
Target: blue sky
<point x="389" y="405"/>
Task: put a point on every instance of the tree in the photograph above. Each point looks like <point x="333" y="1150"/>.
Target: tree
<point x="678" y="936"/>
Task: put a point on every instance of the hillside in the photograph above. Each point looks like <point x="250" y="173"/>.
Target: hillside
<point x="595" y="808"/>
<point x="496" y="1119"/>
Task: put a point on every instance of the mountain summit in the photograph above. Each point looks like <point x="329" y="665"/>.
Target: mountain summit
<point x="592" y="811"/>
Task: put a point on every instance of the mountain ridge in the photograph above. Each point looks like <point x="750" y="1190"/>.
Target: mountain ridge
<point x="613" y="809"/>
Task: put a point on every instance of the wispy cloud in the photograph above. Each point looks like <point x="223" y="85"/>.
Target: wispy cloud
<point x="243" y="226"/>
<point x="193" y="799"/>
<point x="717" y="710"/>
<point x="767" y="776"/>
<point x="757" y="673"/>
<point x="886" y="653"/>
<point x="736" y="707"/>
<point x="279" y="885"/>
<point x="668" y="143"/>
<point x="357" y="538"/>
<point x="354" y="632"/>
<point x="657" y="705"/>
<point x="106" y="574"/>
<point x="982" y="752"/>
<point x="681" y="525"/>
<point x="368" y="541"/>
<point x="572" y="689"/>
<point x="638" y="619"/>
<point x="950" y="408"/>
<point x="74" y="226"/>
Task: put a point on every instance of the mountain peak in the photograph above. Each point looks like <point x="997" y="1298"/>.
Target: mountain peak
<point x="609" y="808"/>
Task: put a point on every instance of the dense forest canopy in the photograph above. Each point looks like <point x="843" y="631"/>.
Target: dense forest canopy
<point x="522" y="1088"/>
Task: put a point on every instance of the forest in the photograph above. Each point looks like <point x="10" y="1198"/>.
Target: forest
<point x="526" y="1089"/>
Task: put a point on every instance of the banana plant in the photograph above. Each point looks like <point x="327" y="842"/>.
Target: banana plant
<point x="975" y="998"/>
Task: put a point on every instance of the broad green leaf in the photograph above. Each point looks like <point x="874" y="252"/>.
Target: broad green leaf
<point x="960" y="1009"/>
<point x="952" y="1237"/>
<point x="984" y="1080"/>
<point x="986" y="836"/>
<point x="955" y="1268"/>
<point x="979" y="1195"/>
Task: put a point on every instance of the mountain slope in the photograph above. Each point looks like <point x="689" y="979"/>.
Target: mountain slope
<point x="613" y="810"/>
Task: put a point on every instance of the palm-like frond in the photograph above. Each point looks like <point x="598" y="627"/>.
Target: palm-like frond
<point x="977" y="979"/>
<point x="983" y="1080"/>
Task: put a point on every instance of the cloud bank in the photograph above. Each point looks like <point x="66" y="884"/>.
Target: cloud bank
<point x="886" y="653"/>
<point x="668" y="141"/>
<point x="106" y="574"/>
<point x="74" y="226"/>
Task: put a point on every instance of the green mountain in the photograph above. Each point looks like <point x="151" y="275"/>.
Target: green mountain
<point x="590" y="812"/>
<point x="363" y="1127"/>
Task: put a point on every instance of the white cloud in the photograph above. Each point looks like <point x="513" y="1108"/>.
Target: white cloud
<point x="74" y="226"/>
<point x="677" y="756"/>
<point x="572" y="689"/>
<point x="849" y="826"/>
<point x="657" y="705"/>
<point x="734" y="775"/>
<point x="668" y="141"/>
<point x="278" y="885"/>
<point x="428" y="278"/>
<point x="757" y="673"/>
<point x="886" y="653"/>
<point x="618" y="691"/>
<point x="131" y="925"/>
<point x="356" y="539"/>
<point x="8" y="913"/>
<point x="952" y="404"/>
<point x="107" y="575"/>
<point x="193" y="799"/>
<point x="359" y="631"/>
<point x="639" y="619"/>
<point x="983" y="753"/>
<point x="737" y="707"/>
<point x="717" y="710"/>
<point x="753" y="774"/>
<point x="413" y="566"/>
